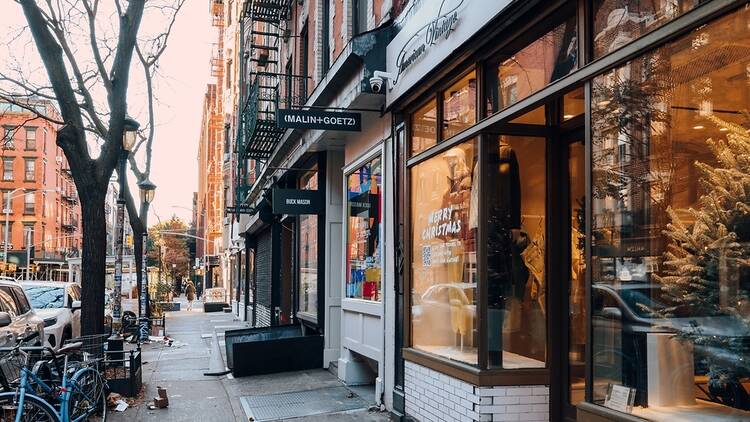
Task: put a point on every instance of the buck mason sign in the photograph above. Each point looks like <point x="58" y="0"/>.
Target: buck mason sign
<point x="429" y="34"/>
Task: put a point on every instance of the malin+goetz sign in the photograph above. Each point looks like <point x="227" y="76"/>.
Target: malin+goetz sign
<point x="315" y="119"/>
<point x="296" y="201"/>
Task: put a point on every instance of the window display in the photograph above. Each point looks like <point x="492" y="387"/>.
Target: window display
<point x="444" y="201"/>
<point x="618" y="22"/>
<point x="516" y="76"/>
<point x="308" y="252"/>
<point x="516" y="302"/>
<point x="364" y="251"/>
<point x="670" y="238"/>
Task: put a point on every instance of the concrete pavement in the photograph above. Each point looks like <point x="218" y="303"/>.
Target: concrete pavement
<point x="195" y="397"/>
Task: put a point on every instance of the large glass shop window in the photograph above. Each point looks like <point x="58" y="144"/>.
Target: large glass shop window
<point x="444" y="204"/>
<point x="514" y="77"/>
<point x="671" y="228"/>
<point x="308" y="252"/>
<point x="424" y="128"/>
<point x="364" y="249"/>
<point x="618" y="22"/>
<point x="516" y="301"/>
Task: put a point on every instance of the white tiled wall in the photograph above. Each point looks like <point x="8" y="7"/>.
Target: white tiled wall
<point x="432" y="396"/>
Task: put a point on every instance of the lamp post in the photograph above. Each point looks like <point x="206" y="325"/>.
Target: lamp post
<point x="7" y="210"/>
<point x="148" y="190"/>
<point x="129" y="130"/>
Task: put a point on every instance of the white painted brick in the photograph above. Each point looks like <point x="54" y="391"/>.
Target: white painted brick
<point x="541" y="391"/>
<point x="533" y="399"/>
<point x="491" y="409"/>
<point x="465" y="418"/>
<point x="490" y="391"/>
<point x="519" y="391"/>
<point x="536" y="417"/>
<point x="484" y="400"/>
<point x="503" y="417"/>
<point x="519" y="408"/>
<point x="540" y="408"/>
<point x="506" y="400"/>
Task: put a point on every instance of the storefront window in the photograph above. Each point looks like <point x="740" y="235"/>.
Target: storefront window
<point x="424" y="128"/>
<point x="444" y="204"/>
<point x="670" y="238"/>
<point x="460" y="105"/>
<point x="364" y="251"/>
<point x="516" y="290"/>
<point x="308" y="252"/>
<point x="516" y="76"/>
<point x="577" y="286"/>
<point x="618" y="22"/>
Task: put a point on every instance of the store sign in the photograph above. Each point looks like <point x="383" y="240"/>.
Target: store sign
<point x="296" y="201"/>
<point x="316" y="119"/>
<point x="430" y="35"/>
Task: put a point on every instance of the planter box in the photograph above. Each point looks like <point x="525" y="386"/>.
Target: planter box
<point x="214" y="306"/>
<point x="169" y="306"/>
<point x="267" y="350"/>
<point x="123" y="372"/>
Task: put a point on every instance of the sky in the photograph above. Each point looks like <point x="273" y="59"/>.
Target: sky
<point x="180" y="85"/>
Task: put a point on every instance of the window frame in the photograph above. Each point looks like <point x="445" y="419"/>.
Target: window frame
<point x="33" y="139"/>
<point x="27" y="171"/>
<point x="6" y="167"/>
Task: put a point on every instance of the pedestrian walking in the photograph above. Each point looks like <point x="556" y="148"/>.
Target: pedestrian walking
<point x="190" y="295"/>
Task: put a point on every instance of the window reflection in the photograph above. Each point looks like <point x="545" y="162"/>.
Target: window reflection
<point x="460" y="105"/>
<point x="444" y="200"/>
<point x="671" y="245"/>
<point x="424" y="128"/>
<point x="364" y="241"/>
<point x="546" y="60"/>
<point x="308" y="252"/>
<point x="516" y="253"/>
<point x="577" y="287"/>
<point x="618" y="22"/>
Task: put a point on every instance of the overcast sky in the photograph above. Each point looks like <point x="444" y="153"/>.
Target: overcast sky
<point x="183" y="75"/>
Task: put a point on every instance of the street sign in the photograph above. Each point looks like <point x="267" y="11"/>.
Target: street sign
<point x="296" y="201"/>
<point x="317" y="119"/>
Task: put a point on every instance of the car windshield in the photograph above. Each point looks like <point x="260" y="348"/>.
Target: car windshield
<point x="642" y="301"/>
<point x="46" y="297"/>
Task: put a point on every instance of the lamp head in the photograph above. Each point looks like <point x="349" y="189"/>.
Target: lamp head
<point x="148" y="190"/>
<point x="129" y="131"/>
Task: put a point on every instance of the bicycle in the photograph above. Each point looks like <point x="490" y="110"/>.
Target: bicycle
<point x="76" y="397"/>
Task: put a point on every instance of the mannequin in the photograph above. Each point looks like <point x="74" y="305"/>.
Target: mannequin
<point x="506" y="272"/>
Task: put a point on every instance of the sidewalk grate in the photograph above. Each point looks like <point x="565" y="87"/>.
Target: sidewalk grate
<point x="296" y="404"/>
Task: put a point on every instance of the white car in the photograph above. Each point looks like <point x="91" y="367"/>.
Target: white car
<point x="59" y="305"/>
<point x="17" y="318"/>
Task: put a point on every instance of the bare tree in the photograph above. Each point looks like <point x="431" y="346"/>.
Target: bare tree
<point x="87" y="48"/>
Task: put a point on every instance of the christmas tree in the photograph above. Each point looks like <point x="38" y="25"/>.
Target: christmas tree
<point x="705" y="279"/>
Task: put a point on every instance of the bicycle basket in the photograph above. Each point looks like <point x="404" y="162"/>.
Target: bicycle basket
<point x="93" y="346"/>
<point x="11" y="364"/>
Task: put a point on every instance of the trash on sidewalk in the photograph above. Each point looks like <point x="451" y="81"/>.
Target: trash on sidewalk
<point x="162" y="400"/>
<point x="121" y="405"/>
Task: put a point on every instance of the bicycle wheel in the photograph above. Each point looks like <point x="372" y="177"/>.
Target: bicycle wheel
<point x="87" y="395"/>
<point x="34" y="409"/>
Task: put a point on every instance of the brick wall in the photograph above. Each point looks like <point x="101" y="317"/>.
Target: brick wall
<point x="432" y="396"/>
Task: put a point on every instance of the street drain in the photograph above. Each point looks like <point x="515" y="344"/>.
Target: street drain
<point x="296" y="404"/>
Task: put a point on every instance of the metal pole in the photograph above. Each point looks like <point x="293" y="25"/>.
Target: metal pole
<point x="143" y="329"/>
<point x="28" y="252"/>
<point x="115" y="342"/>
<point x="5" y="246"/>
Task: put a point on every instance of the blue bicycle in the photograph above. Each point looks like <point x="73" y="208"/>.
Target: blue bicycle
<point x="74" y="392"/>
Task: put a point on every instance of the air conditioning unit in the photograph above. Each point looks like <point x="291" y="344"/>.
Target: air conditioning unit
<point x="226" y="221"/>
<point x="58" y="159"/>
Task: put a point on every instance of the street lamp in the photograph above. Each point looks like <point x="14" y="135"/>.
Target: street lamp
<point x="148" y="191"/>
<point x="129" y="133"/>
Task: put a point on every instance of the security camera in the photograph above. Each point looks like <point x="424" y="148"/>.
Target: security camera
<point x="378" y="78"/>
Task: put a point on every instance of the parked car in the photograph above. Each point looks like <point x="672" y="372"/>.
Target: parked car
<point x="624" y="314"/>
<point x="59" y="305"/>
<point x="17" y="318"/>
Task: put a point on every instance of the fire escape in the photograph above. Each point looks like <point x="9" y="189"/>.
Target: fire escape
<point x="269" y="86"/>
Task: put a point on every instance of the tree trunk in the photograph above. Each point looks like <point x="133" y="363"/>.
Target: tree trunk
<point x="94" y="259"/>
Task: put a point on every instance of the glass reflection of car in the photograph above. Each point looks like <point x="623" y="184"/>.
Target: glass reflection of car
<point x="444" y="310"/>
<point x="624" y="314"/>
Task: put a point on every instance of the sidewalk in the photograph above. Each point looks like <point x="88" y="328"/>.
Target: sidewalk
<point x="193" y="396"/>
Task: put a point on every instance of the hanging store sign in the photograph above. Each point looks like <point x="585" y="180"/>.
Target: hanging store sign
<point x="429" y="35"/>
<point x="296" y="201"/>
<point x="317" y="119"/>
